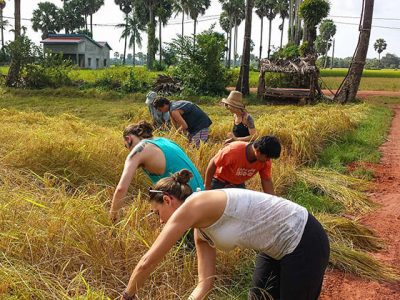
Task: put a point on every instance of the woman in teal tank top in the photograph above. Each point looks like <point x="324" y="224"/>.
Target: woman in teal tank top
<point x="158" y="157"/>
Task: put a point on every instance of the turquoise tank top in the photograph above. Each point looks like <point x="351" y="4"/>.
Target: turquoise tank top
<point x="175" y="160"/>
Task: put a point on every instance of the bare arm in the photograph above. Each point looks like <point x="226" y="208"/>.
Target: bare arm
<point x="178" y="120"/>
<point x="267" y="186"/>
<point x="133" y="161"/>
<point x="206" y="261"/>
<point x="210" y="171"/>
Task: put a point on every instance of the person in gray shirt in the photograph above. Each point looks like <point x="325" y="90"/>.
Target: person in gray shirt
<point x="187" y="117"/>
<point x="160" y="119"/>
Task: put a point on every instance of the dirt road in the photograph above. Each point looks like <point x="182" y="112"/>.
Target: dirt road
<point x="385" y="221"/>
<point x="360" y="94"/>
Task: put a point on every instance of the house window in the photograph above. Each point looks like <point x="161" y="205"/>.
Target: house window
<point x="97" y="62"/>
<point x="105" y="62"/>
<point x="89" y="61"/>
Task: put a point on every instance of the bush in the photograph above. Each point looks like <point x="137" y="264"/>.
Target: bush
<point x="200" y="67"/>
<point x="50" y="71"/>
<point x="124" y="79"/>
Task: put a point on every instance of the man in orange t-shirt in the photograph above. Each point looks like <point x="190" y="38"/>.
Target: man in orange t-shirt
<point x="239" y="161"/>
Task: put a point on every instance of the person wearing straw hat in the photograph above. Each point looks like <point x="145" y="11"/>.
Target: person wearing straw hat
<point x="243" y="126"/>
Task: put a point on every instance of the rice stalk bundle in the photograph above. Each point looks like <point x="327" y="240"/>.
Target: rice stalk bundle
<point x="353" y="233"/>
<point x="360" y="263"/>
<point x="341" y="188"/>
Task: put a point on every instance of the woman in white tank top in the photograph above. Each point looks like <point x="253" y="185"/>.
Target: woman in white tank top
<point x="293" y="248"/>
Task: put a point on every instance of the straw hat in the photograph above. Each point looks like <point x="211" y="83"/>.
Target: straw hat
<point x="234" y="99"/>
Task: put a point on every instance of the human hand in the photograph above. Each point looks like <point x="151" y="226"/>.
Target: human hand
<point x="230" y="135"/>
<point x="114" y="216"/>
<point x="230" y="140"/>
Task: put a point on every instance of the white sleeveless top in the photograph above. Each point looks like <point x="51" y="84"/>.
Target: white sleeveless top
<point x="259" y="221"/>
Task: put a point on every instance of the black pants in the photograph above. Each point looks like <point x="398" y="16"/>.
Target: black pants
<point x="218" y="184"/>
<point x="298" y="275"/>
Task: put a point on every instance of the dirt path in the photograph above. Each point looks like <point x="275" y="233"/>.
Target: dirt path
<point x="385" y="221"/>
<point x="361" y="94"/>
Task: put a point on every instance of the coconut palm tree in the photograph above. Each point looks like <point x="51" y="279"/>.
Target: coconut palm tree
<point x="132" y="32"/>
<point x="126" y="7"/>
<point x="282" y="7"/>
<point x="182" y="6"/>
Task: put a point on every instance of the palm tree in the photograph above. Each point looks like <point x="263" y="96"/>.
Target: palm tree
<point x="261" y="13"/>
<point x="164" y="12"/>
<point x="15" y="67"/>
<point x="349" y="87"/>
<point x="197" y="8"/>
<point x="271" y="14"/>
<point x="379" y="46"/>
<point x="132" y="32"/>
<point x="182" y="6"/>
<point x="242" y="84"/>
<point x="3" y="23"/>
<point x="282" y="7"/>
<point x="224" y="22"/>
<point x="126" y="7"/>
<point x="92" y="7"/>
<point x="235" y="10"/>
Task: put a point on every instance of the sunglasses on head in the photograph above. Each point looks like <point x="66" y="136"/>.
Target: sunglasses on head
<point x="154" y="193"/>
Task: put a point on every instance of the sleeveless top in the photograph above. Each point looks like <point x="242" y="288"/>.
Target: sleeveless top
<point x="175" y="160"/>
<point x="259" y="221"/>
<point x="242" y="130"/>
<point x="195" y="118"/>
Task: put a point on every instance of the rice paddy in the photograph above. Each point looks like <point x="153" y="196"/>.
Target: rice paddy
<point x="58" y="172"/>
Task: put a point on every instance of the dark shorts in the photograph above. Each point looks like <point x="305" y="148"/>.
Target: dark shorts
<point x="218" y="184"/>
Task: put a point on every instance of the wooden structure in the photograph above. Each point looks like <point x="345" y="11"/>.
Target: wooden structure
<point x="303" y="68"/>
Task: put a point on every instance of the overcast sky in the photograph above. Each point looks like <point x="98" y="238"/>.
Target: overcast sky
<point x="343" y="12"/>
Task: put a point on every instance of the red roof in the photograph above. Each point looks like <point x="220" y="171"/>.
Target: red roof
<point x="63" y="40"/>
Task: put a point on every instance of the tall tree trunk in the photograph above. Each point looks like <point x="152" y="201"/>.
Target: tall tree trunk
<point x="283" y="27"/>
<point x="242" y="84"/>
<point x="261" y="38"/>
<point x="326" y="54"/>
<point x="126" y="39"/>
<point x="194" y="33"/>
<point x="230" y="42"/>
<point x="290" y="29"/>
<point x="159" y="38"/>
<point x="151" y="35"/>
<point x="183" y="20"/>
<point x="15" y="67"/>
<point x="235" y="45"/>
<point x="349" y="87"/>
<point x="269" y="37"/>
<point x="333" y="53"/>
<point x="91" y="24"/>
<point x="2" y="30"/>
<point x="134" y="48"/>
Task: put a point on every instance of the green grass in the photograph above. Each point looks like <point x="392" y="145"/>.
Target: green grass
<point x="360" y="145"/>
<point x="313" y="199"/>
<point x="387" y="73"/>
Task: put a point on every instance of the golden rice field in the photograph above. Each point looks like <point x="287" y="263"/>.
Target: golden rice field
<point x="57" y="175"/>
